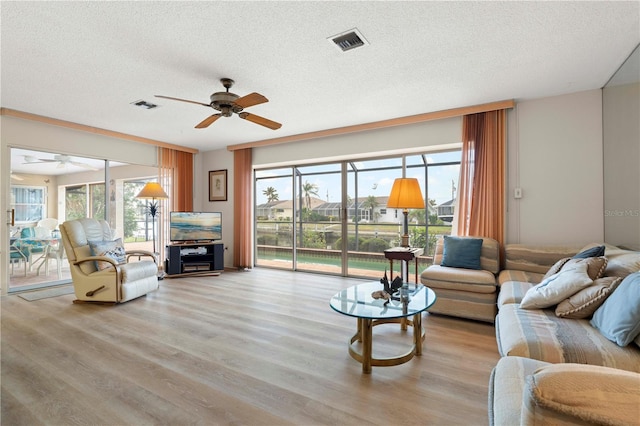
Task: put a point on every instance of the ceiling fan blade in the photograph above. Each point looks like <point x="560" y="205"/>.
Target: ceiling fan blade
<point x="250" y="100"/>
<point x="207" y="121"/>
<point x="260" y="120"/>
<point x="30" y="159"/>
<point x="182" y="100"/>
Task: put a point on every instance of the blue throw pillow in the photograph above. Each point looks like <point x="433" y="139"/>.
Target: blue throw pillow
<point x="618" y="319"/>
<point x="461" y="252"/>
<point x="596" y="251"/>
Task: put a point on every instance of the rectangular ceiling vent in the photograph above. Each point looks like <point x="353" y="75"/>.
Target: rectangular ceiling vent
<point x="348" y="40"/>
<point x="144" y="104"/>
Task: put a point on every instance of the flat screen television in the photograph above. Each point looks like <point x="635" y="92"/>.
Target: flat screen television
<point x="195" y="226"/>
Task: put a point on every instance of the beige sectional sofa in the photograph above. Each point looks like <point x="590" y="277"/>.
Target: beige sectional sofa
<point x="559" y="370"/>
<point x="556" y="368"/>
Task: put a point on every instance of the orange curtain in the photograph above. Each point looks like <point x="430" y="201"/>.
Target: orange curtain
<point x="175" y="175"/>
<point x="242" y="206"/>
<point x="481" y="188"/>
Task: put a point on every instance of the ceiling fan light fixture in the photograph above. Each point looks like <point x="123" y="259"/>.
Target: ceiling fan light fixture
<point x="228" y="104"/>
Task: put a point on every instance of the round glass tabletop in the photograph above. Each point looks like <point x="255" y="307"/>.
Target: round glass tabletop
<point x="356" y="301"/>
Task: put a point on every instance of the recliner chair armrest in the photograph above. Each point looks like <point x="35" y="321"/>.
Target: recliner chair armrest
<point x="130" y="253"/>
<point x="96" y="258"/>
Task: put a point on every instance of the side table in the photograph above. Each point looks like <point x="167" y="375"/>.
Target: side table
<point x="405" y="255"/>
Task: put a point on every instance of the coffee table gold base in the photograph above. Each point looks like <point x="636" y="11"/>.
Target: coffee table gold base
<point x="364" y="335"/>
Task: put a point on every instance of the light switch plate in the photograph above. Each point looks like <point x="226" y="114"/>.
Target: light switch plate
<point x="517" y="193"/>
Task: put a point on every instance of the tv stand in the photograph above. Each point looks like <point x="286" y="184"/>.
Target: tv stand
<point x="196" y="258"/>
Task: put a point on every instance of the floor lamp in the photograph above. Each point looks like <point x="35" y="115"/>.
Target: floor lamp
<point x="406" y="194"/>
<point x="153" y="191"/>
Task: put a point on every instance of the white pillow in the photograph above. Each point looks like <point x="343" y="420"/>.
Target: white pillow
<point x="557" y="287"/>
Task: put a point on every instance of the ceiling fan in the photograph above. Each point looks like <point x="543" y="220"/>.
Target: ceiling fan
<point x="229" y="103"/>
<point x="62" y="161"/>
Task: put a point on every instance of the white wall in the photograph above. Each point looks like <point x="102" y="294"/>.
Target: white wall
<point x="555" y="156"/>
<point x="413" y="137"/>
<point x="204" y="163"/>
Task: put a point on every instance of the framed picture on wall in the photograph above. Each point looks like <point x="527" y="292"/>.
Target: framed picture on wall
<point x="218" y="185"/>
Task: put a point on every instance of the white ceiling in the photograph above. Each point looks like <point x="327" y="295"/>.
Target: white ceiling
<point x="28" y="162"/>
<point x="86" y="62"/>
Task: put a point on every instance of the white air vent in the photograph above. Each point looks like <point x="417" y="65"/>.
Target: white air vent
<point x="144" y="104"/>
<point x="348" y="40"/>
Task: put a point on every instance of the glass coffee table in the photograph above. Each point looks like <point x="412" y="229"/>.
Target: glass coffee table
<point x="357" y="302"/>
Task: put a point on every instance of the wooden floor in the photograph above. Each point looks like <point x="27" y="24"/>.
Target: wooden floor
<point x="245" y="348"/>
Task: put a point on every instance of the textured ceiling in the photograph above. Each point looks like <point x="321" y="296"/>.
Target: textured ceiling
<point x="86" y="62"/>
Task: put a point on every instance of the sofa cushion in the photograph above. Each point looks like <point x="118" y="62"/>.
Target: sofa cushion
<point x="595" y="266"/>
<point x="585" y="302"/>
<point x="556" y="267"/>
<point x="513" y="292"/>
<point x="620" y="262"/>
<point x="465" y="304"/>
<point x="458" y="279"/>
<point x="523" y="276"/>
<point x="540" y="334"/>
<point x="537" y="259"/>
<point x="595" y="251"/>
<point x="489" y="255"/>
<point x="580" y="394"/>
<point x="618" y="319"/>
<point x="461" y="252"/>
<point x="557" y="287"/>
<point x="506" y="387"/>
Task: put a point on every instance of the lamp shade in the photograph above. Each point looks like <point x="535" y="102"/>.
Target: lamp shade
<point x="152" y="190"/>
<point x="406" y="194"/>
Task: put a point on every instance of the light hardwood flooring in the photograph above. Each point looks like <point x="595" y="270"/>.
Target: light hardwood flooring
<point x="244" y="348"/>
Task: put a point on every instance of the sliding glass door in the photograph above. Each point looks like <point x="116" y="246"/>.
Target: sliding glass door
<point x="274" y="213"/>
<point x="48" y="189"/>
<point x="318" y="222"/>
<point x="333" y="217"/>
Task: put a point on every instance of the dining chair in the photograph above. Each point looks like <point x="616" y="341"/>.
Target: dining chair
<point x="30" y="244"/>
<point x="17" y="256"/>
<point x="55" y="252"/>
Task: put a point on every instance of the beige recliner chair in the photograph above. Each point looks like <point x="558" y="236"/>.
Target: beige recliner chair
<point x="105" y="278"/>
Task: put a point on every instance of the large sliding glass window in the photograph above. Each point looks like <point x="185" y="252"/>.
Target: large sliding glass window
<point x="333" y="218"/>
<point x="58" y="187"/>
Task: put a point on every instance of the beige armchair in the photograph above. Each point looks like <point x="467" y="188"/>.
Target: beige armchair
<point x="462" y="292"/>
<point x="105" y="278"/>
